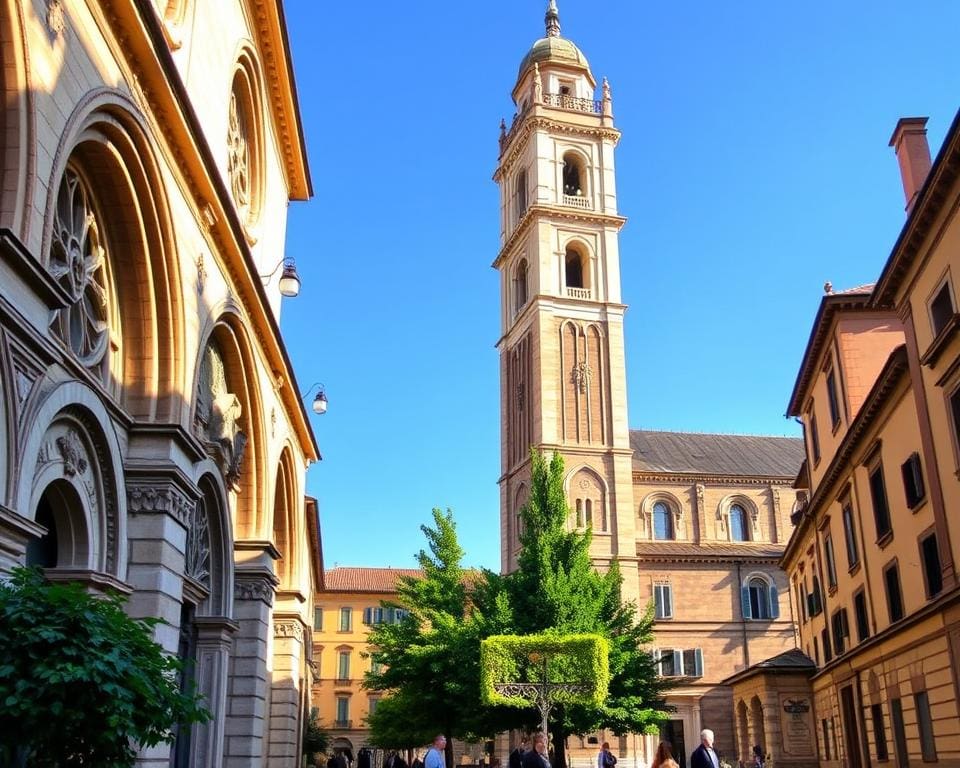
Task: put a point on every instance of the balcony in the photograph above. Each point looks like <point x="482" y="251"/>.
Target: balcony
<point x="342" y="681"/>
<point x="347" y="724"/>
<point x="578" y="293"/>
<point x="578" y="202"/>
<point x="562" y="101"/>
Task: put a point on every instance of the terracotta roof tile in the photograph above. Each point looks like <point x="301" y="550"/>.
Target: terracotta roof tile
<point x="720" y="550"/>
<point x="707" y="454"/>
<point x="367" y="579"/>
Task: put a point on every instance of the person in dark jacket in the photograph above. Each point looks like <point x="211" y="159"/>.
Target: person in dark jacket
<point x="537" y="757"/>
<point x="705" y="756"/>
<point x="516" y="757"/>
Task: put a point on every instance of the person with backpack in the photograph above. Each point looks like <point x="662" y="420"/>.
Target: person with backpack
<point x="606" y="758"/>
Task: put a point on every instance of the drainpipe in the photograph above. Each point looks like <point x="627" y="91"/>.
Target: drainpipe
<point x="743" y="619"/>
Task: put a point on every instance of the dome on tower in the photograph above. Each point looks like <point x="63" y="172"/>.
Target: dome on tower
<point x="554" y="49"/>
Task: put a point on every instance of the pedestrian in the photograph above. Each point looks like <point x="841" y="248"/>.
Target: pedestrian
<point x="664" y="757"/>
<point x="538" y="756"/>
<point x="516" y="757"/>
<point x="705" y="756"/>
<point x="436" y="755"/>
<point x="417" y="759"/>
<point x="757" y="756"/>
<point x="606" y="758"/>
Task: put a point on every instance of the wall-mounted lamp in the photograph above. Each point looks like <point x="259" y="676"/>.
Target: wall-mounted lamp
<point x="320" y="401"/>
<point x="289" y="280"/>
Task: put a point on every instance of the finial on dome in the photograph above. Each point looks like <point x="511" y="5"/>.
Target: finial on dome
<point x="553" y="20"/>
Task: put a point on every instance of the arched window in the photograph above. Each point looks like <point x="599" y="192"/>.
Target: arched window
<point x="579" y="513"/>
<point x="520" y="286"/>
<point x="759" y="598"/>
<point x="663" y="522"/>
<point x="521" y="193"/>
<point x="574" y="269"/>
<point x="589" y="513"/>
<point x="65" y="544"/>
<point x="738" y="523"/>
<point x="573" y="175"/>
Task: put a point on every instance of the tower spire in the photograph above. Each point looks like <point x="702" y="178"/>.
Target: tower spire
<point x="553" y="20"/>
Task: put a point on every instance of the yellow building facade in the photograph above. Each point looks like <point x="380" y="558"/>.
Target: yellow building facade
<point x="871" y="565"/>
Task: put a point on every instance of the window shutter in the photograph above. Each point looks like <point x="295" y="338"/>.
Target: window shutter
<point x="668" y="594"/>
<point x="698" y="662"/>
<point x="678" y="663"/>
<point x="368" y="615"/>
<point x="658" y="601"/>
<point x="655" y="655"/>
<point x="774" y="602"/>
<point x="745" y="602"/>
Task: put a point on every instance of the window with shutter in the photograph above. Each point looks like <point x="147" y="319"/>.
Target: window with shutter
<point x="663" y="601"/>
<point x="745" y="602"/>
<point x="941" y="308"/>
<point x="860" y="614"/>
<point x="774" y="602"/>
<point x="878" y="493"/>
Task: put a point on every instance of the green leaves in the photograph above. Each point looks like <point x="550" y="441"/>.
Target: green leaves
<point x="81" y="682"/>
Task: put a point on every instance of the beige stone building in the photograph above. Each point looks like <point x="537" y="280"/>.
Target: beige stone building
<point x="154" y="439"/>
<point x="697" y="523"/>
<point x="872" y="564"/>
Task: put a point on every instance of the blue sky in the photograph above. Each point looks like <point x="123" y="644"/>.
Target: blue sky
<point x="753" y="167"/>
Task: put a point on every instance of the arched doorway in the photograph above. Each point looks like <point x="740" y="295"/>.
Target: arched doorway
<point x="66" y="543"/>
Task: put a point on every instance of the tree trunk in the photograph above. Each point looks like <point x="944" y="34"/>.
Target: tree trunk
<point x="559" y="739"/>
<point x="448" y="752"/>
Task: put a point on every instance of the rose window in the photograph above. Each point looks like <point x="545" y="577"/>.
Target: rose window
<point x="78" y="263"/>
<point x="238" y="163"/>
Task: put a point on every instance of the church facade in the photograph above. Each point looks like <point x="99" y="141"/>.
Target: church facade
<point x="154" y="439"/>
<point x="696" y="523"/>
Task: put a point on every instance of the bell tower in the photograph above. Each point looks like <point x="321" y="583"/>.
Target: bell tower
<point x="562" y="368"/>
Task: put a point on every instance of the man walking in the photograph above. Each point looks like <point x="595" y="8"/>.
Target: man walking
<point x="516" y="757"/>
<point x="704" y="756"/>
<point x="537" y="757"/>
<point x="436" y="755"/>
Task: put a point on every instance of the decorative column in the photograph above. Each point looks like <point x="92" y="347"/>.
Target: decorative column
<point x="248" y="687"/>
<point x="285" y="713"/>
<point x="214" y="639"/>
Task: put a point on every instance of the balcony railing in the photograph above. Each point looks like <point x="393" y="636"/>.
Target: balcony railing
<point x="578" y="293"/>
<point x="577" y="201"/>
<point x="343" y="723"/>
<point x="574" y="103"/>
<point x="342" y="681"/>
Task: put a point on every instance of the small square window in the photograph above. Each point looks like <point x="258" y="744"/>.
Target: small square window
<point x="913" y="480"/>
<point x="941" y="308"/>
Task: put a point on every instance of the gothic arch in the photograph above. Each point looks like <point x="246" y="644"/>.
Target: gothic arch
<point x="588" y="494"/>
<point x="71" y="449"/>
<point x="246" y="138"/>
<point x="105" y="144"/>
<point x="674" y="505"/>
<point x="286" y="522"/>
<point x="242" y="462"/>
<point x="7" y="411"/>
<point x="17" y="162"/>
<point x="520" y="497"/>
<point x="211" y="530"/>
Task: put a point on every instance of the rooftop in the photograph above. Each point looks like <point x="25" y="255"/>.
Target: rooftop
<point x="710" y="454"/>
<point x="367" y="579"/>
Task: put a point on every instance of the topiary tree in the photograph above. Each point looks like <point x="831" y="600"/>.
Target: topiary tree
<point x="81" y="682"/>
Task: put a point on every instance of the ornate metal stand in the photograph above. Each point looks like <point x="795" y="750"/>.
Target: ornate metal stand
<point x="542" y="695"/>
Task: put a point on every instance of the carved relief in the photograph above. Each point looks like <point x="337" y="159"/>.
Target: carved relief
<point x="537" y="85"/>
<point x="254" y="588"/>
<point x="72" y="452"/>
<point x="218" y="415"/>
<point x="197" y="557"/>
<point x="292" y="629"/>
<point x="157" y="499"/>
<point x="582" y="375"/>
<point x="238" y="161"/>
<point x="56" y="22"/>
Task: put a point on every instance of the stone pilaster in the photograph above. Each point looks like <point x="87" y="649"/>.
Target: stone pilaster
<point x="285" y="714"/>
<point x="15" y="532"/>
<point x="214" y="640"/>
<point x="248" y="688"/>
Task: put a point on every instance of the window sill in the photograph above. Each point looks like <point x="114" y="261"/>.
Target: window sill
<point x="832" y="590"/>
<point x="919" y="505"/>
<point x="884" y="540"/>
<point x="836" y="426"/>
<point x="941" y="342"/>
<point x="855" y="568"/>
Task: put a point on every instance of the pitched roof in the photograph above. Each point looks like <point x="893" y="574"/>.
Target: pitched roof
<point x="793" y="660"/>
<point x="367" y="579"/>
<point x="678" y="549"/>
<point x="704" y="454"/>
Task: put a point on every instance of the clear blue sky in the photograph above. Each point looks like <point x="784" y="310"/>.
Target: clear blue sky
<point x="753" y="167"/>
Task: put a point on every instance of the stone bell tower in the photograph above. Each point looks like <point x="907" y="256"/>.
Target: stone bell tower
<point x="562" y="377"/>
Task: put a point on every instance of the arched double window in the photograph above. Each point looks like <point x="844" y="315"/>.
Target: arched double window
<point x="759" y="599"/>
<point x="663" y="527"/>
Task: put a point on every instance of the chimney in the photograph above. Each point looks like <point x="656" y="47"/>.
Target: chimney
<point x="909" y="141"/>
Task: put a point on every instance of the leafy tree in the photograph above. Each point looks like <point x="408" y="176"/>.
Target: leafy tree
<point x="428" y="664"/>
<point x="315" y="739"/>
<point x="81" y="683"/>
<point x="556" y="588"/>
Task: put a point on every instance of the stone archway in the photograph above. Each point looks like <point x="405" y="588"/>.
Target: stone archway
<point x="758" y="734"/>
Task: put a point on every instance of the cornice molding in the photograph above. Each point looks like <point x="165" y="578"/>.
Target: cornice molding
<point x="535" y="121"/>
<point x="15" y="254"/>
<point x="687" y="479"/>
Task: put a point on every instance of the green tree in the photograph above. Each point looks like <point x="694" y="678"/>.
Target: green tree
<point x="315" y="739"/>
<point x="556" y="588"/>
<point x="428" y="664"/>
<point x="81" y="683"/>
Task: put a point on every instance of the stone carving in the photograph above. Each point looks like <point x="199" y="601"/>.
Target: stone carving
<point x="238" y="160"/>
<point x="201" y="274"/>
<point x="72" y="452"/>
<point x="537" y="85"/>
<point x="78" y="263"/>
<point x="253" y="588"/>
<point x="582" y="375"/>
<point x="56" y="22"/>
<point x="197" y="557"/>
<point x="24" y="384"/>
<point x="157" y="499"/>
<point x="606" y="90"/>
<point x="218" y="416"/>
<point x="292" y="629"/>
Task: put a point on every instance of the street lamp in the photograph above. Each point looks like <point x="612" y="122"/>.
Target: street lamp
<point x="319" y="405"/>
<point x="289" y="279"/>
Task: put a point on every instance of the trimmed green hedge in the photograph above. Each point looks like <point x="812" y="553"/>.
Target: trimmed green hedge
<point x="571" y="659"/>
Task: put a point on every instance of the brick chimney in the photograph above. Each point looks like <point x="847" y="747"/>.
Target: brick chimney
<point x="909" y="141"/>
